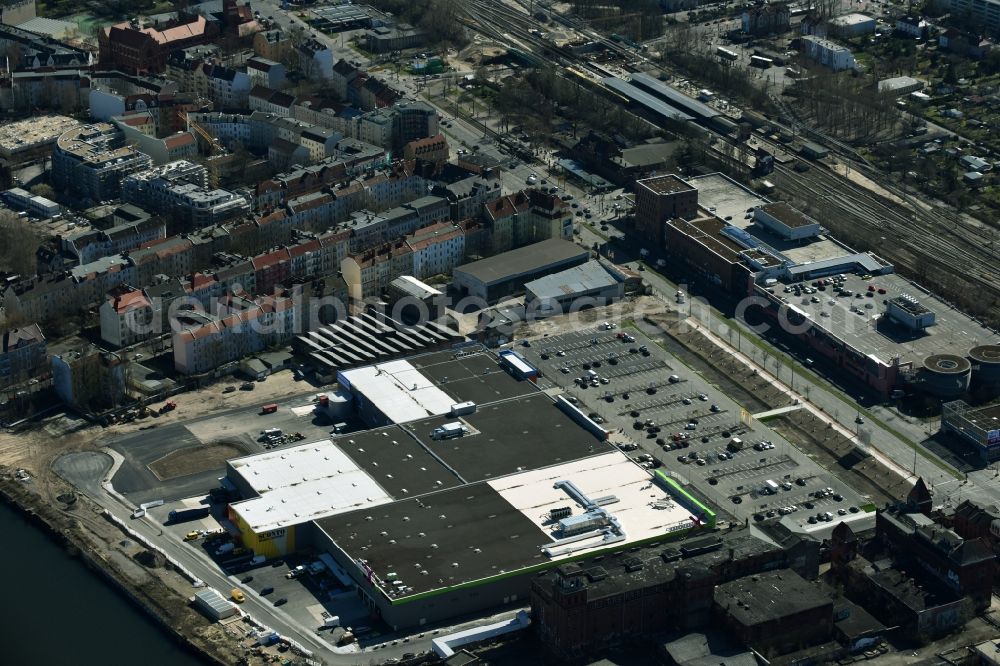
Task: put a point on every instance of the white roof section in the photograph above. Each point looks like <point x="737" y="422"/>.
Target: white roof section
<point x="302" y="483"/>
<point x="416" y="287"/>
<point x="516" y="360"/>
<point x="852" y="19"/>
<point x="644" y="509"/>
<point x="210" y="599"/>
<point x="571" y="282"/>
<point x="899" y="83"/>
<point x="399" y="391"/>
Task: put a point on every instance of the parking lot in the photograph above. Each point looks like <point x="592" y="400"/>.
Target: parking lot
<point x="173" y="461"/>
<point x="306" y="597"/>
<point x="672" y="415"/>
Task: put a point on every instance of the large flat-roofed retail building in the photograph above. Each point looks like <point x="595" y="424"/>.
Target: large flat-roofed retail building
<point x="849" y="307"/>
<point x="293" y="486"/>
<point x="283" y="490"/>
<point x="478" y="546"/>
<point x="431" y="528"/>
<point x="507" y="273"/>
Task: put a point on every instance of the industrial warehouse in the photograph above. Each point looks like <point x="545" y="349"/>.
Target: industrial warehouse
<point x="471" y="480"/>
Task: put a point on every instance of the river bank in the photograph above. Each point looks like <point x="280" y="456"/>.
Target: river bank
<point x="78" y="527"/>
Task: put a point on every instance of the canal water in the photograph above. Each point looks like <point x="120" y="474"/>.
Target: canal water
<point x="57" y="612"/>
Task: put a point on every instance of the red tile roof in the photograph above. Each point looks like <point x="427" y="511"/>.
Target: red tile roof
<point x="129" y="301"/>
<point x="179" y="140"/>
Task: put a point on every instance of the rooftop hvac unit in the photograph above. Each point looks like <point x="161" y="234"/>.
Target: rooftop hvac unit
<point x="560" y="513"/>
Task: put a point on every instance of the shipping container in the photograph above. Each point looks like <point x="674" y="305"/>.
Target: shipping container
<point x="463" y="408"/>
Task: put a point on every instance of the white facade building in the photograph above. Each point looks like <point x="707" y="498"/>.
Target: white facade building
<point x="126" y="317"/>
<point x="829" y="54"/>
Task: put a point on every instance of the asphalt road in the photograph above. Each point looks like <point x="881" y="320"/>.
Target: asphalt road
<point x="139" y="484"/>
<point x="85" y="470"/>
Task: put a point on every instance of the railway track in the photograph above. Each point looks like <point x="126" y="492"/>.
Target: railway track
<point x="937" y="243"/>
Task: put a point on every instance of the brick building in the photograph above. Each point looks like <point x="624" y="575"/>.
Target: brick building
<point x="127" y="46"/>
<point x="775" y="612"/>
<point x="659" y="199"/>
<point x="582" y="606"/>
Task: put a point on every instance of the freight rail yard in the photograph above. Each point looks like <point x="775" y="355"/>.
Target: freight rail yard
<point x="924" y="240"/>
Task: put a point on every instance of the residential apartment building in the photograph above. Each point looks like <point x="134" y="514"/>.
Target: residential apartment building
<point x="92" y="161"/>
<point x="63" y="90"/>
<point x="315" y="59"/>
<point x="22" y="354"/>
<point x="202" y="347"/>
<point x="228" y="88"/>
<point x="527" y="217"/>
<point x="90" y="380"/>
<point x="433" y="150"/>
<point x="270" y="100"/>
<point x="267" y="73"/>
<point x="768" y="19"/>
<point x="827" y="53"/>
<point x="91" y="281"/>
<point x="436" y="249"/>
<point x="343" y="74"/>
<point x="28" y="50"/>
<point x="140" y="131"/>
<point x="133" y="227"/>
<point x="172" y="256"/>
<point x="271" y="270"/>
<point x="911" y="26"/>
<point x="368" y="274"/>
<point x="127" y="317"/>
<point x="985" y="13"/>
<point x="114" y="93"/>
<point x="272" y="44"/>
<point x="180" y="189"/>
<point x="467" y="197"/>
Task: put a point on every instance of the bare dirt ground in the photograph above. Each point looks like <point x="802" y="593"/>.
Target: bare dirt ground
<point x="192" y="460"/>
<point x="37" y="445"/>
<point x="865" y="182"/>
